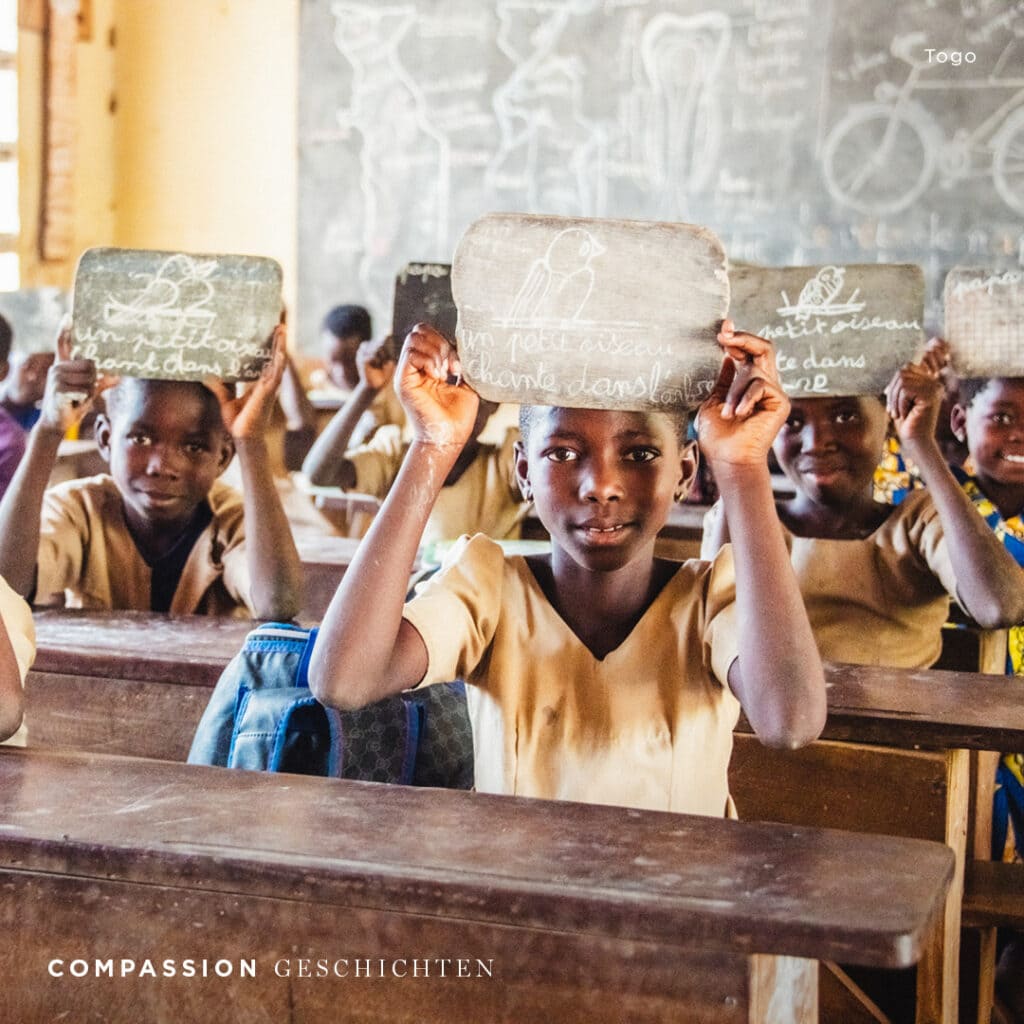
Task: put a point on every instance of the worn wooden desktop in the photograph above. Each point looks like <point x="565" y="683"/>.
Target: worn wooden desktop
<point x="578" y="912"/>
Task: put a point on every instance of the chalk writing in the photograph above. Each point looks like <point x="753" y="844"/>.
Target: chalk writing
<point x="984" y="321"/>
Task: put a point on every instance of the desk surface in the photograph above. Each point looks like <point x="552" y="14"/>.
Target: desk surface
<point x="895" y="707"/>
<point x="674" y="879"/>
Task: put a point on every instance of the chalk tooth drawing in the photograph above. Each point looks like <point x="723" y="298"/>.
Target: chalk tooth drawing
<point x="559" y="283"/>
<point x="179" y="290"/>
<point x="388" y="111"/>
<point x="881" y="156"/>
<point x="818" y="297"/>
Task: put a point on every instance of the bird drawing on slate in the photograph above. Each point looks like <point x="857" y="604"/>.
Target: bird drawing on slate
<point x="559" y="283"/>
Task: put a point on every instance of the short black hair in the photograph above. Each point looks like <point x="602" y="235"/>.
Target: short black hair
<point x="345" y="320"/>
<point x="681" y="420"/>
<point x="6" y="338"/>
<point x="971" y="387"/>
<point x="113" y="398"/>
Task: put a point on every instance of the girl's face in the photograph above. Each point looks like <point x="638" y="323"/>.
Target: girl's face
<point x="830" y="447"/>
<point x="603" y="482"/>
<point x="993" y="425"/>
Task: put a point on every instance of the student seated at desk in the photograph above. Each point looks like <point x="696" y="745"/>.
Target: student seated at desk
<point x="344" y="330"/>
<point x="480" y="493"/>
<point x="160" y="532"/>
<point x="17" y="650"/>
<point x="877" y="578"/>
<point x="598" y="672"/>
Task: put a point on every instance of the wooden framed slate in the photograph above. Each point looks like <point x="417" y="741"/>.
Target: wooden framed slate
<point x="838" y="330"/>
<point x="35" y="315"/>
<point x="607" y="314"/>
<point x="423" y="291"/>
<point x="179" y="316"/>
<point x="985" y="321"/>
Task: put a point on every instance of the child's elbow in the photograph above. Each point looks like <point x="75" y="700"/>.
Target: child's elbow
<point x="795" y="730"/>
<point x="11" y="715"/>
<point x="1001" y="613"/>
<point x="333" y="690"/>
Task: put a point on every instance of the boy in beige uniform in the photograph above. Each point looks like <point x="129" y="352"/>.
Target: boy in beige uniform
<point x="159" y="533"/>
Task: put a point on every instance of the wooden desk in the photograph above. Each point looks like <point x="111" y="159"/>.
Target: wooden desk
<point x="324" y="560"/>
<point x="556" y="911"/>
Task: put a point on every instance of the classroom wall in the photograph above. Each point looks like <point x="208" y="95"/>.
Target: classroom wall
<point x="187" y="131"/>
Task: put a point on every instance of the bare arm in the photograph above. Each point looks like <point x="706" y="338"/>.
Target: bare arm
<point x="12" y="698"/>
<point x="366" y="650"/>
<point x="715" y="531"/>
<point x="326" y="465"/>
<point x="70" y="387"/>
<point x="990" y="583"/>
<point x="299" y="417"/>
<point x="777" y="677"/>
<point x="274" y="568"/>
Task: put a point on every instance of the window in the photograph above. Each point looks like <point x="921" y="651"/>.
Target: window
<point x="9" y="223"/>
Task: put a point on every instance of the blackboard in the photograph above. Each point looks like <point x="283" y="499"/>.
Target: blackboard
<point x="34" y="315"/>
<point x="837" y="330"/>
<point x="985" y="322"/>
<point x="423" y="291"/>
<point x="802" y="132"/>
<point x="601" y="314"/>
<point x="180" y="316"/>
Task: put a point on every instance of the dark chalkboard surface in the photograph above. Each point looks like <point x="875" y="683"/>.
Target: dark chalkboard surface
<point x="601" y="314"/>
<point x="423" y="291"/>
<point x="34" y="315"/>
<point x="182" y="316"/>
<point x="803" y="132"/>
<point x="985" y="322"/>
<point x="837" y="330"/>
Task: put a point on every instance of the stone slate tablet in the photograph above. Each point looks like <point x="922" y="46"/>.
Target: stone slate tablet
<point x="838" y="330"/>
<point x="985" y="321"/>
<point x="607" y="314"/>
<point x="34" y="315"/>
<point x="180" y="316"/>
<point x="423" y="292"/>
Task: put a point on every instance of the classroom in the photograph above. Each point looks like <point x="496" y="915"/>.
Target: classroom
<point x="512" y="510"/>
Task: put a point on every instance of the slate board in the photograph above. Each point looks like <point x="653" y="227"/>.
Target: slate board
<point x="985" y="321"/>
<point x="179" y="316"/>
<point x="423" y="292"/>
<point x="34" y="315"/>
<point x="589" y="313"/>
<point x="838" y="330"/>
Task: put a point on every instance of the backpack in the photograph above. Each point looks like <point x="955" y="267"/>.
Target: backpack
<point x="263" y="717"/>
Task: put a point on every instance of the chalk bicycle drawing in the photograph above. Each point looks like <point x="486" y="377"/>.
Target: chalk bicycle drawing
<point x="881" y="156"/>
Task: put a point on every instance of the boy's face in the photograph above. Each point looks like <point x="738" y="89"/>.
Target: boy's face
<point x="27" y="379"/>
<point x="830" y="447"/>
<point x="993" y="426"/>
<point x="341" y="359"/>
<point x="165" y="444"/>
<point x="603" y="482"/>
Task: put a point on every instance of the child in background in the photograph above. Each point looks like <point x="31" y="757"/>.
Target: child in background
<point x="160" y="532"/>
<point x="480" y="493"/>
<point x="598" y="672"/>
<point x="877" y="578"/>
<point x="17" y="651"/>
<point x="989" y="419"/>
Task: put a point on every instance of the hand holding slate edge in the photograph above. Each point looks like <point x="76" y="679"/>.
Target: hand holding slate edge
<point x="71" y="386"/>
<point x="914" y="399"/>
<point x="737" y="423"/>
<point x="375" y="363"/>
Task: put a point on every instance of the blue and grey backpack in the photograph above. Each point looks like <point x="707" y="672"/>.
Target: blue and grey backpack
<point x="263" y="717"/>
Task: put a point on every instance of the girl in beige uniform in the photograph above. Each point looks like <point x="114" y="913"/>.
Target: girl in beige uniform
<point x="597" y="673"/>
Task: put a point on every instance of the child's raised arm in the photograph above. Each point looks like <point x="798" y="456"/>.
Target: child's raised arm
<point x="366" y="650"/>
<point x="71" y="385"/>
<point x="990" y="583"/>
<point x="275" y="572"/>
<point x="326" y="465"/>
<point x="777" y="677"/>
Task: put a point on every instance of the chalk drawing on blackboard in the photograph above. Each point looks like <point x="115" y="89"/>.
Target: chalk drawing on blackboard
<point x="882" y="155"/>
<point x="559" y="283"/>
<point x="818" y="297"/>
<point x="682" y="57"/>
<point x="179" y="290"/>
<point x="387" y="110"/>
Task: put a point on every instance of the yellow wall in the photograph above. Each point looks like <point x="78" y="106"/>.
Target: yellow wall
<point x="187" y="131"/>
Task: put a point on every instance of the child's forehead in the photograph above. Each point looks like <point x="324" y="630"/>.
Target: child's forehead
<point x="549" y="421"/>
<point x="187" y="404"/>
<point x="1008" y="390"/>
<point x="824" y="404"/>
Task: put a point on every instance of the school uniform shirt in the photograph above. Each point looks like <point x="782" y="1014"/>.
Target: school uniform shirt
<point x="12" y="448"/>
<point x="86" y="551"/>
<point x="21" y="630"/>
<point x="485" y="499"/>
<point x="880" y="600"/>
<point x="649" y="725"/>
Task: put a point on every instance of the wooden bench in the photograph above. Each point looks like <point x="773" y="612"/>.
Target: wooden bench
<point x="538" y="911"/>
<point x="912" y="769"/>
